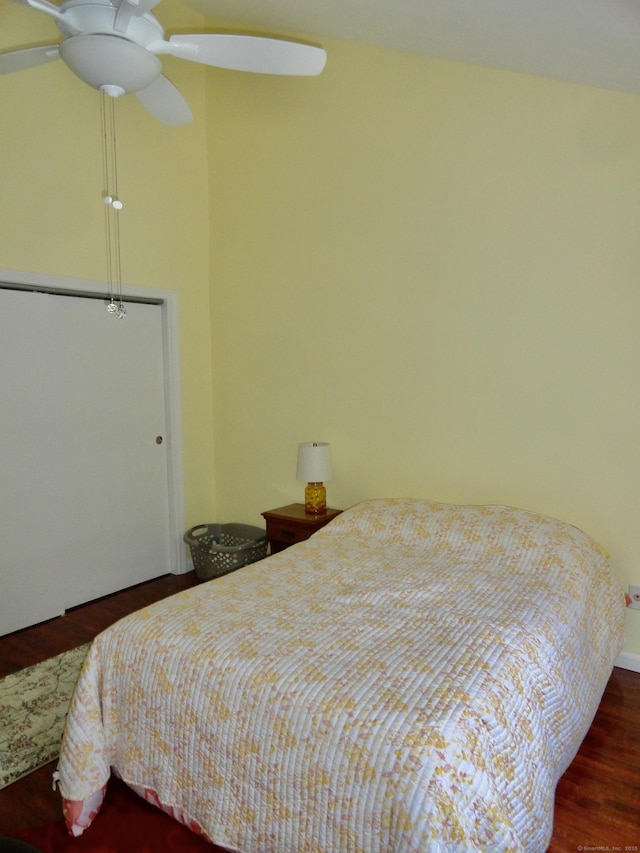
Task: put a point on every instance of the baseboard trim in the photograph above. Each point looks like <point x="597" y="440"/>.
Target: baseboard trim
<point x="626" y="660"/>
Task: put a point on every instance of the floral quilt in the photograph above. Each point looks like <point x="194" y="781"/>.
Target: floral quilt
<point x="415" y="677"/>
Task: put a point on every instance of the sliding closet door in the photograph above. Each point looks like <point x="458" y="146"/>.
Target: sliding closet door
<point x="84" y="506"/>
<point x="31" y="589"/>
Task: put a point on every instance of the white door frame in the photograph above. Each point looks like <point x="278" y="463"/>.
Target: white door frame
<point x="168" y="302"/>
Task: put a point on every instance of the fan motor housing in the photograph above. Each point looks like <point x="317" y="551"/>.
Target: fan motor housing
<point x="109" y="60"/>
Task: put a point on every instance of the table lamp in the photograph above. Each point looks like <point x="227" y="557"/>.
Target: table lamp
<point x="314" y="468"/>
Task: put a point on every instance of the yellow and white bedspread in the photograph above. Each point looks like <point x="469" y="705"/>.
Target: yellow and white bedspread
<point x="415" y="677"/>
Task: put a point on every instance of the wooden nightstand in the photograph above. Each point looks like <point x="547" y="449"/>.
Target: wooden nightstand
<point x="290" y="524"/>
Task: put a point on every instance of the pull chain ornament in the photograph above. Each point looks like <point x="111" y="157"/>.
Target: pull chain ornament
<point x="112" y="206"/>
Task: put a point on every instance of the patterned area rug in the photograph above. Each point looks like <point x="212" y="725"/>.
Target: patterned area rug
<point x="33" y="708"/>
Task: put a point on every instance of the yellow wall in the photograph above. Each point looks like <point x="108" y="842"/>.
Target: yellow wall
<point x="436" y="268"/>
<point x="51" y="212"/>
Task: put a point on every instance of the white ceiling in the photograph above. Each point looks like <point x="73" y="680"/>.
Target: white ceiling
<point x="593" y="42"/>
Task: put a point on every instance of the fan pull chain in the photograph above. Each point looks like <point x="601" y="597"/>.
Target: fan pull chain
<point x="112" y="206"/>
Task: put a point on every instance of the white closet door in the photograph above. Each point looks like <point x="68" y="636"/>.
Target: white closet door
<point x="84" y="507"/>
<point x="30" y="591"/>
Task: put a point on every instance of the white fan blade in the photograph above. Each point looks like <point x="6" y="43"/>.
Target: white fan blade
<point x="128" y="9"/>
<point x="20" y="60"/>
<point x="258" y="54"/>
<point x="43" y="6"/>
<point x="165" y="102"/>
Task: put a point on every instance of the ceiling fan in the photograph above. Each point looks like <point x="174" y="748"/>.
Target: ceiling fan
<point x="114" y="47"/>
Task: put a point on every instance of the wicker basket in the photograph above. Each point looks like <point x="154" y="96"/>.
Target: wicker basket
<point x="217" y="549"/>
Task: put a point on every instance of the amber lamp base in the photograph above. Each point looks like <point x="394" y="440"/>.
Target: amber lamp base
<point x="315" y="499"/>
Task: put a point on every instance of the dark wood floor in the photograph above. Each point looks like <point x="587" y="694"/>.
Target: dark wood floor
<point x="597" y="800"/>
<point x="31" y="801"/>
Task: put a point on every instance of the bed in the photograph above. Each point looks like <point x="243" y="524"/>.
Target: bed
<point x="415" y="677"/>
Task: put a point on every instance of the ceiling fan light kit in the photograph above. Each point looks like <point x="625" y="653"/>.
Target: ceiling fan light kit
<point x="114" y="47"/>
<point x="110" y="63"/>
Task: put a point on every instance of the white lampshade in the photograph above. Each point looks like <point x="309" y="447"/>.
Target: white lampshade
<point x="314" y="462"/>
